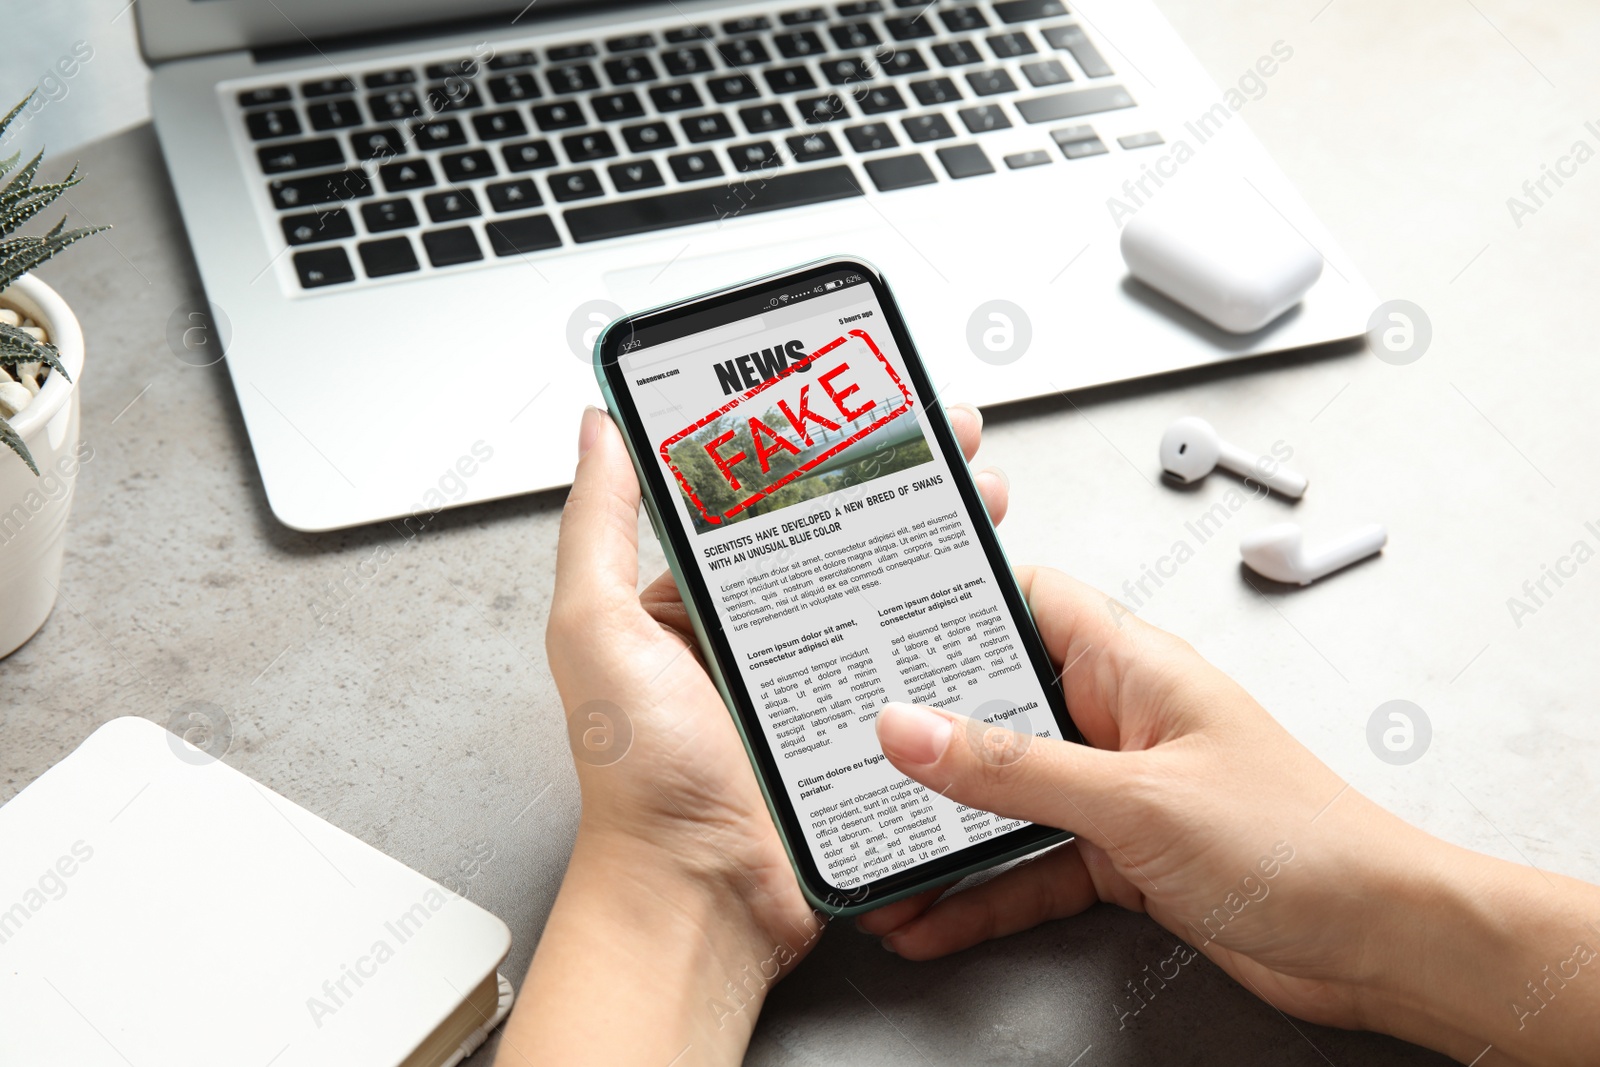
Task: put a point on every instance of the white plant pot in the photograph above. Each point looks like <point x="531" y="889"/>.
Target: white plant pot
<point x="34" y="508"/>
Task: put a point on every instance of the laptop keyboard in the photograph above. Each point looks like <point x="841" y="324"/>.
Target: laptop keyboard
<point x="388" y="171"/>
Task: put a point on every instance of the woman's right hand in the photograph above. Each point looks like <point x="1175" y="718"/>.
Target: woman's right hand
<point x="1195" y="806"/>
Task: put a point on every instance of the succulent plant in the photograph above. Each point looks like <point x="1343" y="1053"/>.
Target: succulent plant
<point x="20" y="200"/>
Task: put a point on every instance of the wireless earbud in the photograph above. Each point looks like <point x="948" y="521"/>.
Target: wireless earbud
<point x="1279" y="552"/>
<point x="1191" y="449"/>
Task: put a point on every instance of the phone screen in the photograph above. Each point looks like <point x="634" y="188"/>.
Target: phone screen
<point x="824" y="517"/>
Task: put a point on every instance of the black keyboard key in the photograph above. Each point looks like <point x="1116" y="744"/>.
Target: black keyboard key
<point x="990" y="82"/>
<point x="710" y="127"/>
<point x="440" y="133"/>
<point x="1070" y="105"/>
<point x="819" y="109"/>
<point x="1019" y="160"/>
<point x="846" y="71"/>
<point x="685" y="34"/>
<point x="273" y="122"/>
<point x="879" y="100"/>
<point x="465" y="67"/>
<point x="984" y="117"/>
<point x="909" y="27"/>
<point x="511" y="88"/>
<point x="315" y="226"/>
<point x="267" y="94"/>
<point x="757" y="155"/>
<point x="743" y="52"/>
<point x="765" y="117"/>
<point x="858" y="8"/>
<point x="575" y="185"/>
<point x="1045" y="73"/>
<point x="964" y="161"/>
<point x="468" y="166"/>
<point x="384" y="215"/>
<point x="748" y="24"/>
<point x="899" y="172"/>
<point x="524" y="57"/>
<point x="1079" y="142"/>
<point x="812" y="147"/>
<point x="695" y="166"/>
<point x="1011" y="45"/>
<point x="648" y="136"/>
<point x="729" y="88"/>
<point x="905" y="60"/>
<point x="631" y="177"/>
<point x="583" y="147"/>
<point x="395" y="104"/>
<point x="493" y="125"/>
<point x="796" y="79"/>
<point x="631" y="70"/>
<point x="561" y="115"/>
<point x="935" y="91"/>
<point x="922" y="128"/>
<point x="528" y="155"/>
<point x="323" y="266"/>
<point x="406" y="174"/>
<point x="334" y="114"/>
<point x="530" y="233"/>
<point x="677" y="97"/>
<point x="449" y="247"/>
<point x="386" y="79"/>
<point x="798" y="44"/>
<point x="326" y="87"/>
<point x="682" y="62"/>
<point x="384" y="142"/>
<point x="612" y="107"/>
<point x="956" y="53"/>
<point x="1072" y="39"/>
<point x="300" y="155"/>
<point x="518" y="194"/>
<point x="450" y="205"/>
<point x="853" y="36"/>
<point x="392" y="255"/>
<point x="871" y="137"/>
<point x="565" y="53"/>
<point x="963" y="19"/>
<point x="1028" y="10"/>
<point x="457" y="94"/>
<point x="803" y="16"/>
<point x="575" y="79"/>
<point x="319" y="189"/>
<point x="710" y="203"/>
<point x="633" y="42"/>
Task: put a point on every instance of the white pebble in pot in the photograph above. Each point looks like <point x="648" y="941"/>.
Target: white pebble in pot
<point x="14" y="396"/>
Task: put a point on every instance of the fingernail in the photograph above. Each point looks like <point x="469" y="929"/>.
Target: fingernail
<point x="975" y="412"/>
<point x="913" y="734"/>
<point x="888" y="944"/>
<point x="1000" y="473"/>
<point x="588" y="430"/>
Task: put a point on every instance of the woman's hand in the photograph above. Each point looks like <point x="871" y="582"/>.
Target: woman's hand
<point x="679" y="908"/>
<point x="1195" y="806"/>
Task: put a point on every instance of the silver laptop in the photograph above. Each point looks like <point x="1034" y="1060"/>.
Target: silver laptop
<point x="413" y="228"/>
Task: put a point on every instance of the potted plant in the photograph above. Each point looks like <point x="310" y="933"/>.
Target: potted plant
<point x="41" y="360"/>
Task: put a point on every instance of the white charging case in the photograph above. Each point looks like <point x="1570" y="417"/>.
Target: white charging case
<point x="1222" y="251"/>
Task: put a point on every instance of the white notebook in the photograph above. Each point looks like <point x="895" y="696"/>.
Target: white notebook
<point x="160" y="909"/>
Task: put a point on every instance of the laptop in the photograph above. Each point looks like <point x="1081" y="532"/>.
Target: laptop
<point x="410" y="230"/>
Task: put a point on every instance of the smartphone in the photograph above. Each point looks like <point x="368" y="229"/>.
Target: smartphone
<point x="834" y="555"/>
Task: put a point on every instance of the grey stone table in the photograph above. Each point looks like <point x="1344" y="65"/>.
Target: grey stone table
<point x="415" y="710"/>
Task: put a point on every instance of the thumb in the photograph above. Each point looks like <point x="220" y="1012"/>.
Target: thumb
<point x="597" y="559"/>
<point x="1020" y="776"/>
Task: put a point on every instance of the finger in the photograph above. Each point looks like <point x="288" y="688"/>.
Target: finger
<point x="1051" y="886"/>
<point x="995" y="488"/>
<point x="967" y="423"/>
<point x="892" y="916"/>
<point x="663" y="601"/>
<point x="597" y="557"/>
<point x="1039" y="779"/>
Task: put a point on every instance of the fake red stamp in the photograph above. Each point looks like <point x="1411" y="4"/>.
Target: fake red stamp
<point x="785" y="428"/>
